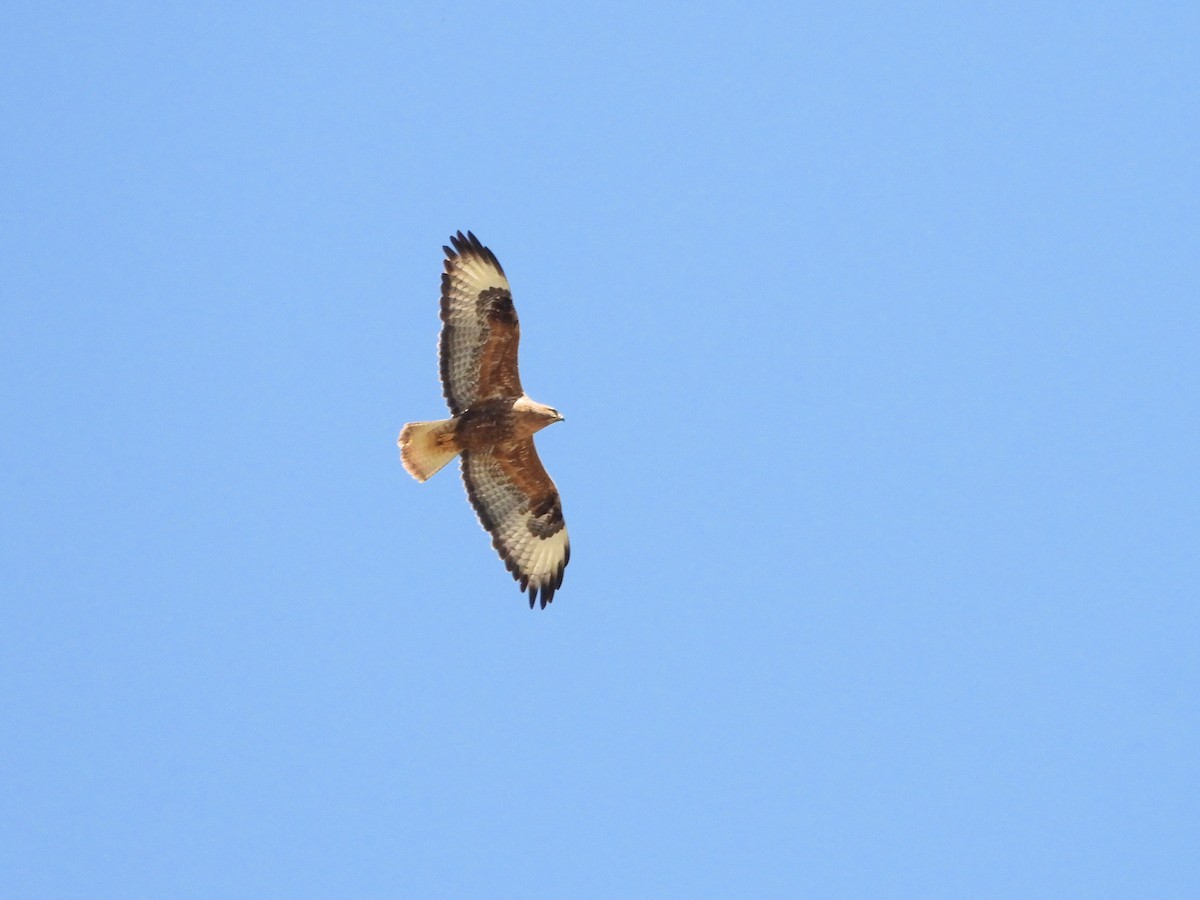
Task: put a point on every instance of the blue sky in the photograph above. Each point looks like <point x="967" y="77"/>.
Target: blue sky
<point x="875" y="328"/>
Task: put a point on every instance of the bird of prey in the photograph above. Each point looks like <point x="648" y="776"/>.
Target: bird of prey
<point x="492" y="423"/>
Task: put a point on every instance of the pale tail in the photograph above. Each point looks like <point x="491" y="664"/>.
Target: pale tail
<point x="427" y="446"/>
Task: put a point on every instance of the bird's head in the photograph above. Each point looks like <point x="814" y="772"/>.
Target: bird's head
<point x="539" y="415"/>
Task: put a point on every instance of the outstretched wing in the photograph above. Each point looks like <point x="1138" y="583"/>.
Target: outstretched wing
<point x="478" y="346"/>
<point x="519" y="505"/>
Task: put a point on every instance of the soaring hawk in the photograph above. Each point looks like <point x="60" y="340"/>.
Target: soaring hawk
<point x="493" y="423"/>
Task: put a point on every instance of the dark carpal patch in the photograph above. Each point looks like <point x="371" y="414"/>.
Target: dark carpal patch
<point x="499" y="306"/>
<point x="546" y="517"/>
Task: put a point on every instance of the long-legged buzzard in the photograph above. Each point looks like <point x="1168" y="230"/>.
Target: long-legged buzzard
<point x="493" y="423"/>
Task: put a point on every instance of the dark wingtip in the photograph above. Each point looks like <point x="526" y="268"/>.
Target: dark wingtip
<point x="458" y="244"/>
<point x="462" y="244"/>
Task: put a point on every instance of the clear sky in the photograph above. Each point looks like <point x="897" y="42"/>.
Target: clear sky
<point x="875" y="327"/>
